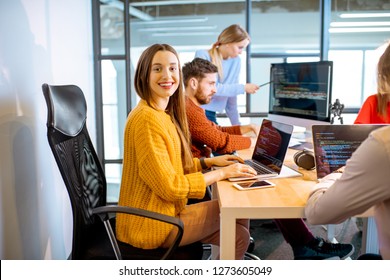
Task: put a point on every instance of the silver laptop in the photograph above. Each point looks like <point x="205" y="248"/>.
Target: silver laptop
<point x="334" y="144"/>
<point x="270" y="151"/>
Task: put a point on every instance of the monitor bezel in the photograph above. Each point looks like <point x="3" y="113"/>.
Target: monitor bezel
<point x="322" y="63"/>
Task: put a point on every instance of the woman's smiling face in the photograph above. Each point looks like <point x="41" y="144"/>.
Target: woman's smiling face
<point x="164" y="77"/>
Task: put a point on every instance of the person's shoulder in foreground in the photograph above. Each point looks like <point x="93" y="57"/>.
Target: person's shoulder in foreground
<point x="364" y="183"/>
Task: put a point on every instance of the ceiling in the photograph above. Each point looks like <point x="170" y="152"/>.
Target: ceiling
<point x="195" y="21"/>
<point x="151" y="8"/>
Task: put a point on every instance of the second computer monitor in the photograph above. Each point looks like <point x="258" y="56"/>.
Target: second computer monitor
<point x="301" y="90"/>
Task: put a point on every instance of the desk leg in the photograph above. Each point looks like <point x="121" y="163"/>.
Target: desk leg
<point x="370" y="236"/>
<point x="214" y="249"/>
<point x="227" y="236"/>
<point x="214" y="252"/>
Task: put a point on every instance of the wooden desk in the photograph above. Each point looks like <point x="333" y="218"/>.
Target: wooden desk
<point x="286" y="200"/>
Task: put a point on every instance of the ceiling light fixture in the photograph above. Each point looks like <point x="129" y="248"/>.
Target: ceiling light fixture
<point x="167" y="21"/>
<point x="360" y="29"/>
<point x="364" y="15"/>
<point x="302" y="51"/>
<point x="181" y="2"/>
<point x="183" y="34"/>
<point x="177" y="28"/>
<point x="360" y="23"/>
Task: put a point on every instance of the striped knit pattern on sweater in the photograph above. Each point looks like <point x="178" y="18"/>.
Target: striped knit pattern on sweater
<point x="220" y="139"/>
<point x="152" y="176"/>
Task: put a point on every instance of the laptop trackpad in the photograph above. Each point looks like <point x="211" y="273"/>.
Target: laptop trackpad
<point x="284" y="173"/>
<point x="288" y="172"/>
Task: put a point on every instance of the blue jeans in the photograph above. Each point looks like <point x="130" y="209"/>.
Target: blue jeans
<point x="201" y="223"/>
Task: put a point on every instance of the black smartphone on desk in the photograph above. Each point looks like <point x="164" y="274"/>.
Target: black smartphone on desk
<point x="252" y="185"/>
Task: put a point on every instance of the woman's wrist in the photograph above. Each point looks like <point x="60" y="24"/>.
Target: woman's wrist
<point x="203" y="162"/>
<point x="221" y="174"/>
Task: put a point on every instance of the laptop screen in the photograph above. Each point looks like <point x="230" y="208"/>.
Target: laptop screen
<point x="334" y="144"/>
<point x="272" y="144"/>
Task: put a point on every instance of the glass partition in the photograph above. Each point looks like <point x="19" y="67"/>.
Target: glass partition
<point x="285" y="26"/>
<point x="358" y="29"/>
<point x="281" y="31"/>
<point x="114" y="107"/>
<point x="113" y="176"/>
<point x="112" y="28"/>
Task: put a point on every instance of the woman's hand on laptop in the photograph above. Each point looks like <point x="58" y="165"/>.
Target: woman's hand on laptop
<point x="238" y="170"/>
<point x="231" y="171"/>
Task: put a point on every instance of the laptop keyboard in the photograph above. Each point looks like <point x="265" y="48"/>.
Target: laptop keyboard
<point x="259" y="169"/>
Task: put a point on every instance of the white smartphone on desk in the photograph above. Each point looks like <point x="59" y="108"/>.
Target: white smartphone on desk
<point x="253" y="185"/>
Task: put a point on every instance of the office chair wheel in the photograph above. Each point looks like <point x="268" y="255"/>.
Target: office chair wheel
<point x="247" y="256"/>
<point x="251" y="246"/>
<point x="250" y="256"/>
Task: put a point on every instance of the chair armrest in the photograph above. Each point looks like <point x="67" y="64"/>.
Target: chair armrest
<point x="104" y="211"/>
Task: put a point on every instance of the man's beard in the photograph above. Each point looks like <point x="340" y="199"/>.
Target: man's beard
<point x="201" y="98"/>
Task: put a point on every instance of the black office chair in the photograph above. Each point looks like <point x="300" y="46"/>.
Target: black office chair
<point x="81" y="170"/>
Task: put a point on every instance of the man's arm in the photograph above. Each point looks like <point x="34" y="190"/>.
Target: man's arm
<point x="205" y="132"/>
<point x="250" y="128"/>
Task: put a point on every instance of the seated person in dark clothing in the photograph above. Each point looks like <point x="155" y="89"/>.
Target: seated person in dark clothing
<point x="200" y="78"/>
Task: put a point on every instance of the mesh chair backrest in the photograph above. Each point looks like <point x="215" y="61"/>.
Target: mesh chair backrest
<point x="76" y="158"/>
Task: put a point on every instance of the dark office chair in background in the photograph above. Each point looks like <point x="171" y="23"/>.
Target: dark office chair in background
<point x="81" y="170"/>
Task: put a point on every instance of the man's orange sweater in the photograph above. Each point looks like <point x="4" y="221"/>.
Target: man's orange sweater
<point x="206" y="136"/>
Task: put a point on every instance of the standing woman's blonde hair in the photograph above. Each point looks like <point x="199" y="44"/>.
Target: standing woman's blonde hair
<point x="176" y="105"/>
<point x="383" y="78"/>
<point x="232" y="34"/>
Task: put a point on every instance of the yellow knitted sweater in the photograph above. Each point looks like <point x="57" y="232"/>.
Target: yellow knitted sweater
<point x="153" y="177"/>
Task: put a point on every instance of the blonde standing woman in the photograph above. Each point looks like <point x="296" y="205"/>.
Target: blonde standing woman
<point x="225" y="54"/>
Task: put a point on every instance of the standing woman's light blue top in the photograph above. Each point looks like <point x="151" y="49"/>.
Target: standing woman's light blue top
<point x="227" y="89"/>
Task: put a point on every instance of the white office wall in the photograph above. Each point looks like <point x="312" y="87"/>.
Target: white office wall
<point x="41" y="41"/>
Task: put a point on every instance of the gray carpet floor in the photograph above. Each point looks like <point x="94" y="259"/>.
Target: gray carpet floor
<point x="270" y="244"/>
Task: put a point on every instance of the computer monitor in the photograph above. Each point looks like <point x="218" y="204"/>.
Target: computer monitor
<point x="301" y="93"/>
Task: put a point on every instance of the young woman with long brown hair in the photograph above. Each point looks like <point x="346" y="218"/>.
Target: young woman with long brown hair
<point x="159" y="173"/>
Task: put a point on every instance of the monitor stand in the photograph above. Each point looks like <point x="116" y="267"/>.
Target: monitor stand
<point x="299" y="129"/>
